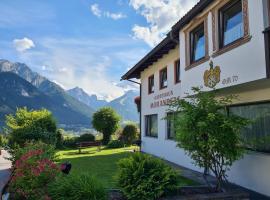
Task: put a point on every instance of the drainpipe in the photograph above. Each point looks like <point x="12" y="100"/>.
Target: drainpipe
<point x="140" y="136"/>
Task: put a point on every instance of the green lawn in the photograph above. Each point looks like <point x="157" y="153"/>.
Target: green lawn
<point x="102" y="165"/>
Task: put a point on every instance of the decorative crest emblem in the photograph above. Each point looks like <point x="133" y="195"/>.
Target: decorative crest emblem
<point x="212" y="76"/>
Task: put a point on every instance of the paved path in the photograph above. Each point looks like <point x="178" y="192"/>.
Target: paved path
<point x="198" y="177"/>
<point x="4" y="169"/>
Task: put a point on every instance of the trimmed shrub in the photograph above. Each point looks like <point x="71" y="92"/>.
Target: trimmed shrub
<point x="129" y="134"/>
<point x="76" y="188"/>
<point x="114" y="144"/>
<point x="88" y="137"/>
<point x="33" y="171"/>
<point x="145" y="177"/>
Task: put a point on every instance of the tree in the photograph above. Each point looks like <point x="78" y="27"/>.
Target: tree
<point x="106" y="121"/>
<point x="129" y="133"/>
<point x="31" y="125"/>
<point x="209" y="135"/>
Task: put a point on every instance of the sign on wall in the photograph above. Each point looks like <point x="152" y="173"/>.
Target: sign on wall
<point x="163" y="99"/>
<point x="212" y="76"/>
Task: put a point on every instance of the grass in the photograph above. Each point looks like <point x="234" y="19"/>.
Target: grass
<point x="102" y="165"/>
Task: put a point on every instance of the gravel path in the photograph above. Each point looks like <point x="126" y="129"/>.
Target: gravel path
<point x="4" y="169"/>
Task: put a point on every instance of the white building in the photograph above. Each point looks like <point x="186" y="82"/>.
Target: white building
<point x="234" y="35"/>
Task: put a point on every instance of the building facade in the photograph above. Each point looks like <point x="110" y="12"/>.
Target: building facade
<point x="221" y="44"/>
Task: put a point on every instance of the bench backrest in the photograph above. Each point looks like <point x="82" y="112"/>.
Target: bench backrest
<point x="89" y="144"/>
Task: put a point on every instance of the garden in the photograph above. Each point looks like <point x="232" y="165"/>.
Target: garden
<point x="48" y="165"/>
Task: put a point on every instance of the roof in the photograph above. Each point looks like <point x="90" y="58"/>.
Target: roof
<point x="168" y="43"/>
<point x="161" y="49"/>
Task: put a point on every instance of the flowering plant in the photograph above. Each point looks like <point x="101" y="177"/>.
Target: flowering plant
<point x="33" y="171"/>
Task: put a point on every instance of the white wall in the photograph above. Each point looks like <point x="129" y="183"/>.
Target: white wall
<point x="248" y="63"/>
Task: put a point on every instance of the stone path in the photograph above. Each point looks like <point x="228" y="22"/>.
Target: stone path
<point x="198" y="177"/>
<point x="4" y="169"/>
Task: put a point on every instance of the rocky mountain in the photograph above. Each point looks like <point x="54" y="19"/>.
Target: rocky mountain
<point x="125" y="106"/>
<point x="90" y="100"/>
<point x="57" y="95"/>
<point x="17" y="92"/>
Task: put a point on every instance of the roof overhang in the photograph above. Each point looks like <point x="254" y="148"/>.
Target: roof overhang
<point x="153" y="56"/>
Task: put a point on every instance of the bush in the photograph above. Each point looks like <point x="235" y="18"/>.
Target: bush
<point x="129" y="134"/>
<point x="114" y="144"/>
<point x="17" y="152"/>
<point x="70" y="142"/>
<point x="76" y="188"/>
<point x="33" y="171"/>
<point x="3" y="141"/>
<point x="31" y="125"/>
<point x="146" y="178"/>
<point x="88" y="137"/>
<point x="59" y="138"/>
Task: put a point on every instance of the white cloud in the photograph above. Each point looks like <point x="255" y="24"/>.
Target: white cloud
<point x="160" y="16"/>
<point x="95" y="73"/>
<point x="99" y="13"/>
<point x="24" y="44"/>
<point x="95" y="10"/>
<point x="115" y="16"/>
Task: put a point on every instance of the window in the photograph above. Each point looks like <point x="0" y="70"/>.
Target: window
<point x="197" y="44"/>
<point x="170" y="125"/>
<point x="231" y="23"/>
<point x="171" y="120"/>
<point x="163" y="78"/>
<point x="177" y="71"/>
<point x="256" y="135"/>
<point x="151" y="125"/>
<point x="151" y="84"/>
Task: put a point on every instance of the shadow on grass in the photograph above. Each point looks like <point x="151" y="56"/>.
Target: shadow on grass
<point x="103" y="167"/>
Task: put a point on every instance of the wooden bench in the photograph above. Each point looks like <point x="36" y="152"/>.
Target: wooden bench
<point x="82" y="145"/>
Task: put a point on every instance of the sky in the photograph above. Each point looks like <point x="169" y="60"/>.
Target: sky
<point x="85" y="43"/>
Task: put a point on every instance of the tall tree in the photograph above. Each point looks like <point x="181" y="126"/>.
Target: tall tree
<point x="106" y="121"/>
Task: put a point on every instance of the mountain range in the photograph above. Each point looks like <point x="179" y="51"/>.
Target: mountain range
<point x="123" y="105"/>
<point x="21" y="87"/>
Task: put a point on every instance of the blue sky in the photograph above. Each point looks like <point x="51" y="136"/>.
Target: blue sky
<point x="85" y="43"/>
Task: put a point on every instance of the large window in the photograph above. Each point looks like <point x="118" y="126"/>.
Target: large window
<point x="177" y="78"/>
<point x="197" y="44"/>
<point x="151" y="125"/>
<point x="172" y="118"/>
<point x="231" y="26"/>
<point x="170" y="126"/>
<point x="163" y="81"/>
<point x="151" y="84"/>
<point x="256" y="135"/>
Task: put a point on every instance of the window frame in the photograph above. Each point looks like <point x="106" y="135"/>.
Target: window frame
<point x="221" y="23"/>
<point x="160" y="78"/>
<point x="249" y="104"/>
<point x="168" y="128"/>
<point x="177" y="78"/>
<point x="146" y="117"/>
<point x="217" y="51"/>
<point x="150" y="88"/>
<point x="191" y="43"/>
